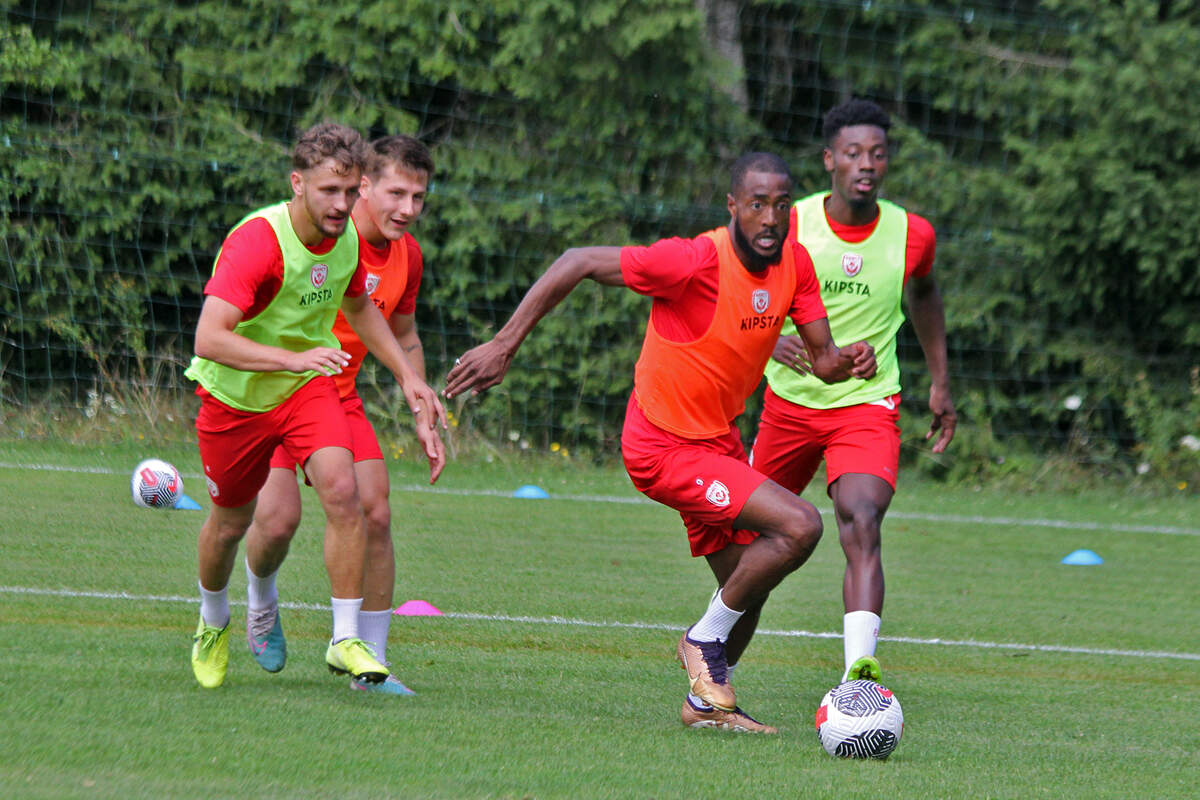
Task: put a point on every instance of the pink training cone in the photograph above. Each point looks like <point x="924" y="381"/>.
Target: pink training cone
<point x="417" y="608"/>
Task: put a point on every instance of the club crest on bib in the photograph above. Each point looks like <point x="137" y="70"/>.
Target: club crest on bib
<point x="319" y="273"/>
<point x="717" y="494"/>
<point x="851" y="264"/>
<point x="760" y="300"/>
<point x="372" y="282"/>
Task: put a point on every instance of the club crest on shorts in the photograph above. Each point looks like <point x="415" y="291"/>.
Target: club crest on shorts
<point x="851" y="264"/>
<point x="717" y="494"/>
<point x="760" y="300"/>
<point x="372" y="282"/>
<point x="318" y="275"/>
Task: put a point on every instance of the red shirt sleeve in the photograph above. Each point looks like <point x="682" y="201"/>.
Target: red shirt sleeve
<point x="682" y="275"/>
<point x="249" y="268"/>
<point x="664" y="269"/>
<point x="807" y="305"/>
<point x="922" y="244"/>
<point x="416" y="267"/>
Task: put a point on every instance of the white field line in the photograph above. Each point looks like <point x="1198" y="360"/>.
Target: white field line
<point x="655" y="626"/>
<point x="638" y="499"/>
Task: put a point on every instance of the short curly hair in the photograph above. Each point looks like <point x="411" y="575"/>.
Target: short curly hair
<point x="330" y="140"/>
<point x="756" y="162"/>
<point x="853" y="112"/>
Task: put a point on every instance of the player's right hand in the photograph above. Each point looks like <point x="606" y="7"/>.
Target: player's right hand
<point x="792" y="353"/>
<point x="325" y="360"/>
<point x="477" y="369"/>
<point x="435" y="449"/>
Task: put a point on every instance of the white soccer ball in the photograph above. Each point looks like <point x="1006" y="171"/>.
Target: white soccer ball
<point x="155" y="484"/>
<point x="860" y="719"/>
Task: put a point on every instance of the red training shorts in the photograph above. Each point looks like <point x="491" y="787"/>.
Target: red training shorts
<point x="792" y="439"/>
<point x="365" y="444"/>
<point x="236" y="446"/>
<point x="706" y="480"/>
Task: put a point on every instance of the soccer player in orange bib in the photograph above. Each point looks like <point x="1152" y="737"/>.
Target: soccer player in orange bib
<point x="720" y="300"/>
<point x="391" y="196"/>
<point x="265" y="354"/>
<point x="867" y="253"/>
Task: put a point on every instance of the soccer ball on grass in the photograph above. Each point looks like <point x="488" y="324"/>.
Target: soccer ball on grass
<point x="155" y="484"/>
<point x="860" y="719"/>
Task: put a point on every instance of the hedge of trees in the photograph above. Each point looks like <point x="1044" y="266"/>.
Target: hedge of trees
<point x="1053" y="144"/>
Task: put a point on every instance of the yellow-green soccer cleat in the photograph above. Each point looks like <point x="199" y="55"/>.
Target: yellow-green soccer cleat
<point x="210" y="654"/>
<point x="355" y="658"/>
<point x="865" y="669"/>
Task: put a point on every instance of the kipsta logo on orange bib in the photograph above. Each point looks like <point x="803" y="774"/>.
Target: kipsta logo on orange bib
<point x="319" y="273"/>
<point x="760" y="300"/>
<point x="717" y="494"/>
<point x="851" y="264"/>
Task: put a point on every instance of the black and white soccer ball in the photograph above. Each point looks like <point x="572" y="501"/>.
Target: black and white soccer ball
<point x="155" y="484"/>
<point x="860" y="719"/>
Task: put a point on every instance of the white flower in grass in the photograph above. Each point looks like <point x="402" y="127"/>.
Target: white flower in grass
<point x="1072" y="402"/>
<point x="1143" y="468"/>
<point x="1191" y="442"/>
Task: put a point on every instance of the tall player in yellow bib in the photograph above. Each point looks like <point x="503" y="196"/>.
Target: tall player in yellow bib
<point x="868" y="254"/>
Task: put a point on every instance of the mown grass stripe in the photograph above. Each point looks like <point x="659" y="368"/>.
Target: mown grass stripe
<point x="663" y="626"/>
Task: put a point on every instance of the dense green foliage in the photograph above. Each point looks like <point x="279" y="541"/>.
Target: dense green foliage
<point x="1053" y="150"/>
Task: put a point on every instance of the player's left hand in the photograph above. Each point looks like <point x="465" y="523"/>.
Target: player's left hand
<point x="944" y="418"/>
<point x="864" y="360"/>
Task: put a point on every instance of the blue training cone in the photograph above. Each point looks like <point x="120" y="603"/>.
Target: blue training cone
<point x="531" y="492"/>
<point x="185" y="503"/>
<point x="1084" y="558"/>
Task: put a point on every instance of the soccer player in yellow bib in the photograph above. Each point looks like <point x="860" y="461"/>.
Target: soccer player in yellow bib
<point x="265" y="357"/>
<point x="391" y="196"/>
<point x="868" y="253"/>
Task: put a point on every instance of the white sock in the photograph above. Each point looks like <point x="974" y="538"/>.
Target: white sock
<point x="214" y="606"/>
<point x="261" y="593"/>
<point x="860" y="633"/>
<point x="373" y="629"/>
<point x="716" y="623"/>
<point x="700" y="704"/>
<point x="345" y="617"/>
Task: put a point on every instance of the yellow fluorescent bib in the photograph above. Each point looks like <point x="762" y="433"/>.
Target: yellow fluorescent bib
<point x="861" y="286"/>
<point x="299" y="318"/>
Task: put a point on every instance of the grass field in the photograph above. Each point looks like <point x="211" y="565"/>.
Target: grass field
<point x="551" y="673"/>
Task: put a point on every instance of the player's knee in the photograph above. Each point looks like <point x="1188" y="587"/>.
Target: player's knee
<point x="339" y="496"/>
<point x="379" y="519"/>
<point x="277" y="530"/>
<point x="803" y="530"/>
<point x="859" y="530"/>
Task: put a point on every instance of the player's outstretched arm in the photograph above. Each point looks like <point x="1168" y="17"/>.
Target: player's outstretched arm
<point x="485" y="366"/>
<point x="217" y="341"/>
<point x="928" y="316"/>
<point x="834" y="364"/>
